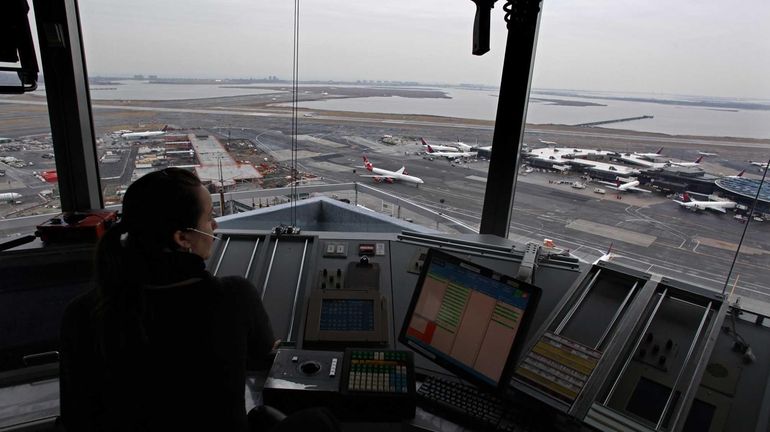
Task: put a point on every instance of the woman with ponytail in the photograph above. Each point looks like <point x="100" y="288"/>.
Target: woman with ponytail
<point x="159" y="343"/>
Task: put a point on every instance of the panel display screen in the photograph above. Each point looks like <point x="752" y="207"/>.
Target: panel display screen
<point x="347" y="315"/>
<point x="467" y="318"/>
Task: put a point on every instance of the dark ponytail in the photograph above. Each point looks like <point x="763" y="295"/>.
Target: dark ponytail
<point x="154" y="208"/>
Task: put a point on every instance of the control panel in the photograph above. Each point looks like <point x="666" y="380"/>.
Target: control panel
<point x="347" y="304"/>
<point x="376" y="371"/>
<point x="371" y="385"/>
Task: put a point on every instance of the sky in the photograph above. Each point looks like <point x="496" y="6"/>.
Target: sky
<point x="683" y="47"/>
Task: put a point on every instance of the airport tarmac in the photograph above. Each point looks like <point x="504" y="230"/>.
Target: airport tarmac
<point x="648" y="232"/>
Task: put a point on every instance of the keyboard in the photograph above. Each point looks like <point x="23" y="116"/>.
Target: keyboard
<point x="465" y="405"/>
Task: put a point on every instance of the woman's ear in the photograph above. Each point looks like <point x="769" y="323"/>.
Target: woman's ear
<point x="182" y="240"/>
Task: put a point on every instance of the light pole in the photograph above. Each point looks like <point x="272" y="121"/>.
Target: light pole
<point x="221" y="189"/>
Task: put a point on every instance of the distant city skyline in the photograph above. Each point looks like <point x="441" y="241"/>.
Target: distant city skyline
<point x="690" y="47"/>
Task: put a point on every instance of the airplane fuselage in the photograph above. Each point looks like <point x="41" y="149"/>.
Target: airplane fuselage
<point x="395" y="176"/>
<point x="694" y="205"/>
<point x="141" y="135"/>
<point x="9" y="196"/>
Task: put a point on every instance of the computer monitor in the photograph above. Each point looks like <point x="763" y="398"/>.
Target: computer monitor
<point x="469" y="319"/>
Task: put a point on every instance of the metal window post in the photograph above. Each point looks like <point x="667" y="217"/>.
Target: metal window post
<point x="69" y="104"/>
<point x="523" y="18"/>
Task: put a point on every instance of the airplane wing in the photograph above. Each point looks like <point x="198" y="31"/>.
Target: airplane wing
<point x="634" y="188"/>
<point x="719" y="209"/>
<point x="687" y="205"/>
<point x="401" y="171"/>
<point x="612" y="185"/>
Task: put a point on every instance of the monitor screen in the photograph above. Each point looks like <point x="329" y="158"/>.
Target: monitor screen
<point x="468" y="319"/>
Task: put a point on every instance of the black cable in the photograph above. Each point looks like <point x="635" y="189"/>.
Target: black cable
<point x="294" y="118"/>
<point x="743" y="235"/>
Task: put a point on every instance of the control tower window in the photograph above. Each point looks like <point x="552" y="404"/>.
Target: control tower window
<point x="638" y="129"/>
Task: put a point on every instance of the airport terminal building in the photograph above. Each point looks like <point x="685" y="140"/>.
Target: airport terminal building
<point x="680" y="179"/>
<point x="744" y="191"/>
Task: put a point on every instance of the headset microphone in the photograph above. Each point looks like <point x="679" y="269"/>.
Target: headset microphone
<point x="204" y="233"/>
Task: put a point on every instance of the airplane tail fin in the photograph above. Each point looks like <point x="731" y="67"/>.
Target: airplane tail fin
<point x="423" y="141"/>
<point x="430" y="149"/>
<point x="367" y="164"/>
<point x="165" y="128"/>
<point x="686" y="197"/>
<point x="698" y="160"/>
<point x="659" y="150"/>
<point x="740" y="174"/>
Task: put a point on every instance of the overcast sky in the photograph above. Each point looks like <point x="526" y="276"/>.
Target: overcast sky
<point x="696" y="47"/>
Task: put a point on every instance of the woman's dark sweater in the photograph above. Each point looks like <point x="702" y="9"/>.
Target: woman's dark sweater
<point x="199" y="335"/>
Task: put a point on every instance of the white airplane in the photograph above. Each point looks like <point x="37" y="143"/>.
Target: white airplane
<point x="9" y="196"/>
<point x="607" y="256"/>
<point x="702" y="153"/>
<point x="649" y="155"/>
<point x="761" y="165"/>
<point x="695" y="205"/>
<point x="462" y="146"/>
<point x="625" y="184"/>
<point x="686" y="164"/>
<point x="381" y="175"/>
<point x="438" y="147"/>
<point x="451" y="155"/>
<point x="547" y="142"/>
<point x="641" y="161"/>
<point x="143" y="135"/>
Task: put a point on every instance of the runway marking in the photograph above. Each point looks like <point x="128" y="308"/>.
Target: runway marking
<point x="729" y="246"/>
<point x="284" y="155"/>
<point x="476" y="178"/>
<point x="328" y="166"/>
<point x="612" y="232"/>
<point x="320" y="141"/>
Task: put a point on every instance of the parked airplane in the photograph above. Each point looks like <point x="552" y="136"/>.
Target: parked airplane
<point x="625" y="184"/>
<point x="695" y="205"/>
<point x="547" y="142"/>
<point x="702" y="153"/>
<point x="438" y="147"/>
<point x="143" y="135"/>
<point x="687" y="164"/>
<point x="607" y="256"/>
<point x="381" y="175"/>
<point x="639" y="160"/>
<point x="450" y="154"/>
<point x="9" y="196"/>
<point x="761" y="165"/>
<point x="462" y="146"/>
<point x="649" y="155"/>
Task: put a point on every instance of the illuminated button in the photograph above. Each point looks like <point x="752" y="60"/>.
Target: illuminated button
<point x="330" y="248"/>
<point x="380" y="249"/>
<point x="340" y="249"/>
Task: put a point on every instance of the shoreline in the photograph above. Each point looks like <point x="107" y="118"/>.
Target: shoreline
<point x="264" y="104"/>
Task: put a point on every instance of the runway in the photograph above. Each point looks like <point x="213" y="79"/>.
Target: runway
<point x="650" y="233"/>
